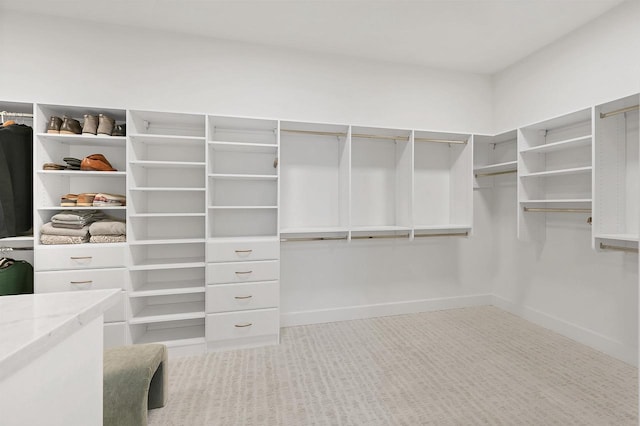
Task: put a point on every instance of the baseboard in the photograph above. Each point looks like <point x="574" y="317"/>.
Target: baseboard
<point x="319" y="316"/>
<point x="572" y="331"/>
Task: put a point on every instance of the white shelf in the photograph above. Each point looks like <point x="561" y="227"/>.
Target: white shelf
<point x="166" y="215"/>
<point x="28" y="238"/>
<point x="242" y="207"/>
<point x="167" y="164"/>
<point x="618" y="237"/>
<point x="558" y="201"/>
<point x="499" y="167"/>
<point x="242" y="239"/>
<point x="560" y="145"/>
<point x="81" y="173"/>
<point x="167" y="241"/>
<point x="169" y="312"/>
<point x="572" y="171"/>
<point x="178" y="336"/>
<point x="56" y="208"/>
<point x="243" y="147"/>
<point x="228" y="176"/>
<point x="314" y="230"/>
<point x="168" y="288"/>
<point x="173" y="263"/>
<point x="450" y="227"/>
<point x="84" y="139"/>
<point x="166" y="139"/>
<point x="165" y="189"/>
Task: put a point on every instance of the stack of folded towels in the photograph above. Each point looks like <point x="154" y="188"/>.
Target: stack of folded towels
<point x="108" y="230"/>
<point x="69" y="227"/>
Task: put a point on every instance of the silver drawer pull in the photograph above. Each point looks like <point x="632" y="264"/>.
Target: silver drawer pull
<point x="243" y="297"/>
<point x="243" y="251"/>
<point x="246" y="324"/>
<point x="81" y="282"/>
<point x="80" y="257"/>
<point x="243" y="273"/>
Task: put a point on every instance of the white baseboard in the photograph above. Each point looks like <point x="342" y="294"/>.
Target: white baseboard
<point x="572" y="331"/>
<point x="290" y="319"/>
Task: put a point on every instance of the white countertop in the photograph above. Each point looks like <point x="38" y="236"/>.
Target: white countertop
<point x="31" y="324"/>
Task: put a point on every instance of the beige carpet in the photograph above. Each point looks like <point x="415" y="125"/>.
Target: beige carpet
<point x="472" y="366"/>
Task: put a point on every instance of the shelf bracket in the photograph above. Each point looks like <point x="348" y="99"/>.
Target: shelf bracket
<point x="147" y="124"/>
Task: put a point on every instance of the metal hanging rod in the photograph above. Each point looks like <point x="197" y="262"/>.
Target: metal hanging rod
<point x="619" y="111"/>
<point x="315" y="132"/>
<point x="370" y="136"/>
<point x="2" y="249"/>
<point x="385" y="137"/>
<point x="450" y="234"/>
<point x="312" y="239"/>
<point x="366" y="237"/>
<point x="618" y="248"/>
<point x="440" y="140"/>
<point x="495" y="173"/>
<point x="555" y="210"/>
<point x="16" y="114"/>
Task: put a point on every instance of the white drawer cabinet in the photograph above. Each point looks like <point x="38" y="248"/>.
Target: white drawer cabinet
<point x="243" y="250"/>
<point x="81" y="256"/>
<point x="240" y="297"/>
<point x="237" y="272"/>
<point x="242" y="325"/>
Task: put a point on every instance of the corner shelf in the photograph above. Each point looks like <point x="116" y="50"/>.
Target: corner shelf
<point x="507" y="166"/>
<point x="560" y="145"/>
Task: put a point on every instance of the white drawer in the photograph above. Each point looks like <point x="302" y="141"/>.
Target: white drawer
<point x="86" y="279"/>
<point x="115" y="334"/>
<point x="235" y="251"/>
<point x="239" y="297"/>
<point x="238" y="272"/>
<point x="81" y="256"/>
<point x="242" y="325"/>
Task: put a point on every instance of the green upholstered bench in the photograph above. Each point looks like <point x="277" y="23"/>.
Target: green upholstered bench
<point x="135" y="380"/>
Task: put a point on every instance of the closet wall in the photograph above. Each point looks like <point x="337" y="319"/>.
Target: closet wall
<point x="561" y="282"/>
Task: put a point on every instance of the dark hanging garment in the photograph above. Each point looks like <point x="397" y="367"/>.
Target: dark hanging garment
<point x="16" y="180"/>
<point x="17" y="278"/>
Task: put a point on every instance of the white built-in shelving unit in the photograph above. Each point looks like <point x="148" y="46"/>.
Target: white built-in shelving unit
<point x="616" y="212"/>
<point x="166" y="228"/>
<point x="554" y="172"/>
<point x="495" y="159"/>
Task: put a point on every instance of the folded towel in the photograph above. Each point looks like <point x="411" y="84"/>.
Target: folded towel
<point x="49" y="229"/>
<point x="70" y="215"/>
<point x="108" y="239"/>
<point x="62" y="239"/>
<point x="68" y="225"/>
<point x="108" y="227"/>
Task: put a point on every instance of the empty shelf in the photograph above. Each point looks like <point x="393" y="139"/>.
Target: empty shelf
<point x="572" y="171"/>
<point x="168" y="312"/>
<point x="167" y="164"/>
<point x="228" y="176"/>
<point x="166" y="139"/>
<point x="244" y="147"/>
<point x="560" y="145"/>
<point x="172" y="263"/>
<point x="618" y="237"/>
<point x="178" y="336"/>
<point x="168" y="288"/>
<point x="85" y="139"/>
<point x="496" y="168"/>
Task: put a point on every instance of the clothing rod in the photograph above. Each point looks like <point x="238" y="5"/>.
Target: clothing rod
<point x="440" y="140"/>
<point x="450" y="234"/>
<point x="366" y="237"/>
<point x="314" y="132"/>
<point x="618" y="248"/>
<point x="495" y="173"/>
<point x="386" y="137"/>
<point x="555" y="210"/>
<point x="619" y="111"/>
<point x="16" y="114"/>
<point x="312" y="239"/>
<point x="2" y="249"/>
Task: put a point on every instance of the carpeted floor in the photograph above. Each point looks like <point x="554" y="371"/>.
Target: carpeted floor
<point x="472" y="366"/>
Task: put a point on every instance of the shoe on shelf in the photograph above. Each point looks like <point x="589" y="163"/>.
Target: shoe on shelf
<point x="90" y="125"/>
<point x="119" y="130"/>
<point x="69" y="200"/>
<point x="109" y="200"/>
<point x="97" y="163"/>
<point x="72" y="163"/>
<point x="53" y="166"/>
<point x="105" y="125"/>
<point x="70" y="126"/>
<point x="54" y="124"/>
<point x="86" y="199"/>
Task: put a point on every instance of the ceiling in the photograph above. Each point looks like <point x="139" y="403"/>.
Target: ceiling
<point x="480" y="36"/>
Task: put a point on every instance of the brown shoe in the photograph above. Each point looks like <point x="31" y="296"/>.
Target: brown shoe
<point x="54" y="124"/>
<point x="70" y="126"/>
<point x="86" y="199"/>
<point x="105" y="126"/>
<point x="96" y="162"/>
<point x="90" y="125"/>
<point x="68" y="200"/>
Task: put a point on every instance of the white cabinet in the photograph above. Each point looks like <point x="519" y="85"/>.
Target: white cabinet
<point x="495" y="159"/>
<point x="242" y="232"/>
<point x="554" y="172"/>
<point x="166" y="227"/>
<point x="616" y="175"/>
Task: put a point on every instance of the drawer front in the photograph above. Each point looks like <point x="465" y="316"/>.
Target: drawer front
<point x="241" y="325"/>
<point x="238" y="272"/>
<point x="81" y="256"/>
<point x="243" y="251"/>
<point x="89" y="279"/>
<point x="239" y="297"/>
<point x="115" y="334"/>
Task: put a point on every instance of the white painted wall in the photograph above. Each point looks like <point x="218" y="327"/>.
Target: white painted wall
<point x="562" y="283"/>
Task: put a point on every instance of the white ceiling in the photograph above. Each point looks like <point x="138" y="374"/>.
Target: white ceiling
<point x="482" y="36"/>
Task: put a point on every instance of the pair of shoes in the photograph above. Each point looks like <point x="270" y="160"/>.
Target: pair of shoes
<point x="53" y="166"/>
<point x="96" y="162"/>
<point x="65" y="125"/>
<point x="98" y="124"/>
<point x="69" y="200"/>
<point x="109" y="200"/>
<point x="119" y="130"/>
<point x="72" y="163"/>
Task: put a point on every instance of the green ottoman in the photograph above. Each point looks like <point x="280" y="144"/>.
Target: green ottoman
<point x="135" y="380"/>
